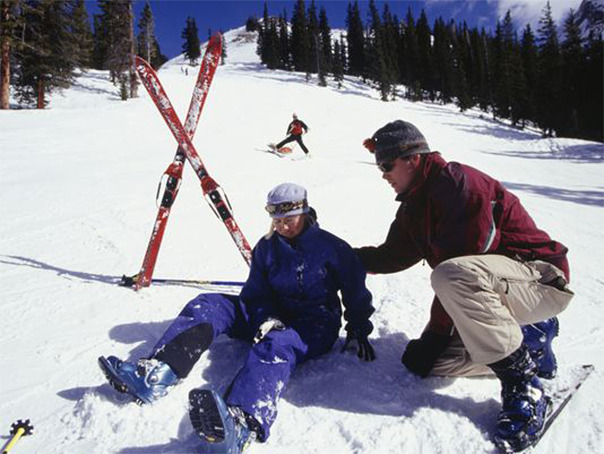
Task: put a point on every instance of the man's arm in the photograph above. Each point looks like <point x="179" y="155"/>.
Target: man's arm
<point x="397" y="253"/>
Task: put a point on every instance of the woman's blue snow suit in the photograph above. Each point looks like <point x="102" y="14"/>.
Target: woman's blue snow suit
<point x="297" y="283"/>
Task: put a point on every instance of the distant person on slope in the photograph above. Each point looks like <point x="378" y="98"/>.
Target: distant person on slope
<point x="288" y="310"/>
<point x="499" y="280"/>
<point x="294" y="132"/>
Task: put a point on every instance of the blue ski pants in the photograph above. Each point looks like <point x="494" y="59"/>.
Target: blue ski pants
<point x="260" y="382"/>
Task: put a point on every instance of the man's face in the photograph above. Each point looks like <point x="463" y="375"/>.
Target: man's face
<point x="400" y="173"/>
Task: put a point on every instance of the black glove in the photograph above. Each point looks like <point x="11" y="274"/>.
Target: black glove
<point x="364" y="349"/>
<point x="421" y="354"/>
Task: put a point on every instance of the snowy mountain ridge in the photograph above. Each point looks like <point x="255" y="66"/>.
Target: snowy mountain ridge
<point x="77" y="196"/>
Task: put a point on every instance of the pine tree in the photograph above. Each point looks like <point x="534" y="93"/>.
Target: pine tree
<point x="338" y="64"/>
<point x="591" y="114"/>
<point x="284" y="44"/>
<point x="573" y="62"/>
<point x="269" y="45"/>
<point x="503" y="69"/>
<point x="411" y="52"/>
<point x="9" y="20"/>
<point x="260" y="44"/>
<point x="325" y="39"/>
<point x="252" y="24"/>
<point x="299" y="38"/>
<point x="101" y="36"/>
<point x="160" y="58"/>
<point x="462" y="64"/>
<point x="442" y="63"/>
<point x="146" y="35"/>
<point x="530" y="63"/>
<point x="391" y="40"/>
<point x="191" y="45"/>
<point x="273" y="58"/>
<point x="549" y="78"/>
<point x="425" y="60"/>
<point x="479" y="80"/>
<point x="82" y="34"/>
<point x="380" y="50"/>
<point x="314" y="63"/>
<point x="115" y="46"/>
<point x="355" y="40"/>
<point x="48" y="55"/>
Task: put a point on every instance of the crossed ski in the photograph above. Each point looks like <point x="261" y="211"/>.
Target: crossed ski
<point x="186" y="150"/>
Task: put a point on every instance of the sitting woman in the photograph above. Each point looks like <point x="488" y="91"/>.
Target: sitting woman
<point x="289" y="310"/>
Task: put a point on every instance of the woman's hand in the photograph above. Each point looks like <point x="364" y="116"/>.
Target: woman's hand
<point x="365" y="351"/>
<point x="267" y="326"/>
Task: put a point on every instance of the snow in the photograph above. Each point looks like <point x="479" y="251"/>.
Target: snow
<point x="76" y="195"/>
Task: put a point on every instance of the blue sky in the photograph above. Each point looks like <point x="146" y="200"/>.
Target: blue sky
<point x="170" y="15"/>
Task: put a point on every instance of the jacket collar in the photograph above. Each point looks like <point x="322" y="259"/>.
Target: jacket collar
<point x="432" y="165"/>
<point x="308" y="232"/>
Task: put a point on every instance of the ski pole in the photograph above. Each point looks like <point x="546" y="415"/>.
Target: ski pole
<point x="129" y="281"/>
<point x="18" y="429"/>
<point x="197" y="281"/>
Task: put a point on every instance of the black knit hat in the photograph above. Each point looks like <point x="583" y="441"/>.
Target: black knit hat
<point x="398" y="139"/>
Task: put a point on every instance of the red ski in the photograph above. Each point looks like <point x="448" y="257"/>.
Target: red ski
<point x="174" y="171"/>
<point x="211" y="190"/>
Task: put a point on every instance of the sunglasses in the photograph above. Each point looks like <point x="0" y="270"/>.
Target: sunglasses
<point x="286" y="207"/>
<point x="387" y="166"/>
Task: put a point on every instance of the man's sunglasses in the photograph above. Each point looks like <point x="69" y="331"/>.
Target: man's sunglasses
<point x="386" y="166"/>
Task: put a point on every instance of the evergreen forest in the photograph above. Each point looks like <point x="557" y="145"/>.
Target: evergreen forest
<point x="550" y="78"/>
<point x="547" y="78"/>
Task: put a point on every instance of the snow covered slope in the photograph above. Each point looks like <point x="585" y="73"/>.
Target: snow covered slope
<point x="77" y="194"/>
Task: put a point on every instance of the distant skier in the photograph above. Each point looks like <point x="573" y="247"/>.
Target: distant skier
<point x="290" y="301"/>
<point x="499" y="280"/>
<point x="294" y="132"/>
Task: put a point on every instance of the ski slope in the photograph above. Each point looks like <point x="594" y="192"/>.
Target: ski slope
<point x="77" y="199"/>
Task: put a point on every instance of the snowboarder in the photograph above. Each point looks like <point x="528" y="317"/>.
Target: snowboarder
<point x="499" y="280"/>
<point x="289" y="311"/>
<point x="295" y="130"/>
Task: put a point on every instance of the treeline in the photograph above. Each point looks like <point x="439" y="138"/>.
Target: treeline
<point x="545" y="78"/>
<point x="44" y="43"/>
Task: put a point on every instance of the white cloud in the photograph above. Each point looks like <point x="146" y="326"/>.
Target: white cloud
<point x="530" y="11"/>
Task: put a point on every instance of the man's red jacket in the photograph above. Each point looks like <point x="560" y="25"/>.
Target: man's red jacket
<point x="453" y="210"/>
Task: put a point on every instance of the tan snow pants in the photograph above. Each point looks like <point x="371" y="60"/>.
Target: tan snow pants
<point x="489" y="297"/>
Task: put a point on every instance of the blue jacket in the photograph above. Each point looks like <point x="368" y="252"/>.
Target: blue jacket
<point x="300" y="281"/>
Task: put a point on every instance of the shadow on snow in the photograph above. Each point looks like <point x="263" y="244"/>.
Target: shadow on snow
<point x="336" y="381"/>
<point x="590" y="198"/>
<point x="68" y="274"/>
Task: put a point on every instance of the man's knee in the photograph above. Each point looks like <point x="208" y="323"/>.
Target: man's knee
<point x="452" y="273"/>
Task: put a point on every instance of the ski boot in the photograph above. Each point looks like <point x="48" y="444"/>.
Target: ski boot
<point x="146" y="381"/>
<point x="538" y="338"/>
<point x="524" y="404"/>
<point x="222" y="429"/>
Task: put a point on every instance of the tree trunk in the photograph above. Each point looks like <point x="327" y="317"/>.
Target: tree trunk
<point x="40" y="94"/>
<point x="132" y="69"/>
<point x="5" y="59"/>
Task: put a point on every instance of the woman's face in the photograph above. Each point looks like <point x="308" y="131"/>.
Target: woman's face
<point x="289" y="226"/>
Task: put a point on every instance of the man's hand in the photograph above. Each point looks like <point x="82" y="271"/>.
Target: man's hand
<point x="421" y="354"/>
<point x="364" y="349"/>
<point x="267" y="326"/>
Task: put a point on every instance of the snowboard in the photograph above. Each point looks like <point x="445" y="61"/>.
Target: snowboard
<point x="560" y="391"/>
